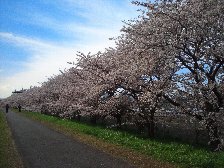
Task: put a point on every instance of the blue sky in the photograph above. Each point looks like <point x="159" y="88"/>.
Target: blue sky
<point x="39" y="37"/>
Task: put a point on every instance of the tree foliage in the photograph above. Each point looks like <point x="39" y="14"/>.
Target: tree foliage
<point x="168" y="60"/>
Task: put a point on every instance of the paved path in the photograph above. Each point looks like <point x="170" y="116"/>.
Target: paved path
<point x="41" y="147"/>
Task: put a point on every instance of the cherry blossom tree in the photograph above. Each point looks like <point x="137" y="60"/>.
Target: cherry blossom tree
<point x="172" y="53"/>
<point x="189" y="35"/>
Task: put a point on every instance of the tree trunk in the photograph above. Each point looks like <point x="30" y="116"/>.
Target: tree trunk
<point x="79" y="117"/>
<point x="118" y="117"/>
<point x="214" y="139"/>
<point x="151" y="129"/>
<point x="152" y="122"/>
<point x="140" y="127"/>
<point x="151" y="126"/>
<point x="93" y="119"/>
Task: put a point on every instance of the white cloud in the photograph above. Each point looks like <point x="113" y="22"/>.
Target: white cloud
<point x="102" y="21"/>
<point x="46" y="59"/>
<point x="31" y="44"/>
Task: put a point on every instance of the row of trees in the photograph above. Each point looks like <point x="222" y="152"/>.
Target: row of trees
<point x="169" y="60"/>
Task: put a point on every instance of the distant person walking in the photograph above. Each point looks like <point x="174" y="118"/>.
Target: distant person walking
<point x="19" y="107"/>
<point x="7" y="108"/>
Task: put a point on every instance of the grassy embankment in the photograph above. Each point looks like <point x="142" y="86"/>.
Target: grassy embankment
<point x="141" y="151"/>
<point x="9" y="157"/>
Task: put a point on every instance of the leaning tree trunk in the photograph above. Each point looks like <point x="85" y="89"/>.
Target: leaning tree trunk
<point x="214" y="139"/>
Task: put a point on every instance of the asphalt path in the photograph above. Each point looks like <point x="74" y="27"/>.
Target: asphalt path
<point x="42" y="147"/>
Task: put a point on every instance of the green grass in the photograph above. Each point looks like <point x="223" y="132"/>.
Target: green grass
<point x="9" y="157"/>
<point x="180" y="154"/>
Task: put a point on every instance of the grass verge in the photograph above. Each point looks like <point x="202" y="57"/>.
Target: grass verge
<point x="139" y="151"/>
<point x="9" y="157"/>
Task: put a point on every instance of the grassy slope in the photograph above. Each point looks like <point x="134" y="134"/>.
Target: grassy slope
<point x="183" y="155"/>
<point x="9" y="157"/>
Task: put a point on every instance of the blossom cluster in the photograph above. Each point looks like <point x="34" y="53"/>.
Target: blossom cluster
<point x="168" y="60"/>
